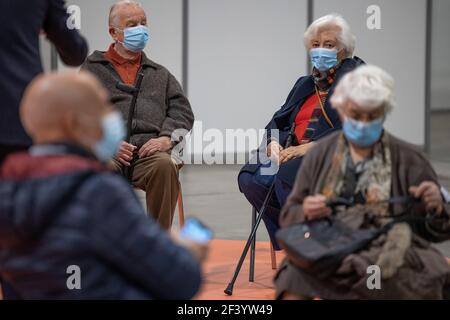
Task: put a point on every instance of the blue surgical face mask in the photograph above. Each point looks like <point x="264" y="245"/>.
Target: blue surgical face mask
<point x="323" y="59"/>
<point x="363" y="134"/>
<point x="135" y="38"/>
<point x="113" y="133"/>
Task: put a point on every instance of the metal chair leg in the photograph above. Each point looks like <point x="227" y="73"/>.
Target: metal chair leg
<point x="273" y="257"/>
<point x="180" y="198"/>
<point x="180" y="208"/>
<point x="251" y="238"/>
<point x="251" y="274"/>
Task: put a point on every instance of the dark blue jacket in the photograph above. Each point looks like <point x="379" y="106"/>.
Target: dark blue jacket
<point x="92" y="220"/>
<point x="285" y="116"/>
<point x="21" y="22"/>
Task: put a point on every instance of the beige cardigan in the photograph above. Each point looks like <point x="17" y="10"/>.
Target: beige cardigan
<point x="423" y="273"/>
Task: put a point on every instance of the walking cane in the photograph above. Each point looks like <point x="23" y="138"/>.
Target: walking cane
<point x="229" y="288"/>
<point x="134" y="90"/>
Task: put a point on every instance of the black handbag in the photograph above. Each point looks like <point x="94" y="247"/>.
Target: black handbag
<point x="319" y="246"/>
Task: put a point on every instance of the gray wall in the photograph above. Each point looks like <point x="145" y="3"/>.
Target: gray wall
<point x="440" y="56"/>
<point x="45" y="53"/>
<point x="244" y="57"/>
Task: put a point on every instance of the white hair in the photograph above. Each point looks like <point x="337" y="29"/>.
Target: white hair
<point x="368" y="86"/>
<point x="346" y="39"/>
<point x="115" y="8"/>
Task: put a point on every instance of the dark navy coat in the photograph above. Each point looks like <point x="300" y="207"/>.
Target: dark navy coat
<point x="85" y="218"/>
<point x="283" y="119"/>
<point x="21" y="22"/>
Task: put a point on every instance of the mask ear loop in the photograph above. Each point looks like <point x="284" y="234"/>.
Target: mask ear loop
<point x="339" y="49"/>
<point x="121" y="30"/>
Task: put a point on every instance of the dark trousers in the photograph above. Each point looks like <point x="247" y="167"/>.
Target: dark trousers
<point x="256" y="193"/>
<point x="5" y="150"/>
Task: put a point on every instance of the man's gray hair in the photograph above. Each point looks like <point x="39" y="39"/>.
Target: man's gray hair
<point x="115" y="7"/>
<point x="345" y="38"/>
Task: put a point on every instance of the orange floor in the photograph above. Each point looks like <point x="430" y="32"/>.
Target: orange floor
<point x="219" y="268"/>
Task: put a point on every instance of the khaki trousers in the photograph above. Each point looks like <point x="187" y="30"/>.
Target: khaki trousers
<point x="157" y="176"/>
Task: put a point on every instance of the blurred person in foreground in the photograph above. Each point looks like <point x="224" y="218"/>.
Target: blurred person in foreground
<point x="60" y="207"/>
<point x="365" y="162"/>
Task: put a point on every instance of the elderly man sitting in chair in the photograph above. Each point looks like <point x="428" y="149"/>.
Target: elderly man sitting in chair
<point x="161" y="109"/>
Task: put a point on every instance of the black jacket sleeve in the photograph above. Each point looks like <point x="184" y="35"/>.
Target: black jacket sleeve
<point x="135" y="246"/>
<point x="71" y="46"/>
<point x="272" y="125"/>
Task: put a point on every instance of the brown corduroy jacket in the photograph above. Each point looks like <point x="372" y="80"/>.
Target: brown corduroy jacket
<point x="423" y="272"/>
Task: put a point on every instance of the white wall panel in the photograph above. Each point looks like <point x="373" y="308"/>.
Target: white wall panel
<point x="399" y="48"/>
<point x="244" y="57"/>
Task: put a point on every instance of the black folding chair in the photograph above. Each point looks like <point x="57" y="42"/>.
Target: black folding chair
<point x="273" y="256"/>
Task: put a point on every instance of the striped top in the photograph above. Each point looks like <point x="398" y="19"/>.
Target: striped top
<point x="308" y="116"/>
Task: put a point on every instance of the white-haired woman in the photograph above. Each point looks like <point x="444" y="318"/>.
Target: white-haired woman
<point x="330" y="44"/>
<point x="365" y="163"/>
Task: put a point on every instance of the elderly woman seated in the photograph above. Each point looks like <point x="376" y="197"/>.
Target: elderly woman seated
<point x="367" y="163"/>
<point x="330" y="44"/>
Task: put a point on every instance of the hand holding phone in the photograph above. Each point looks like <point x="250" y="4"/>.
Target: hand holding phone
<point x="195" y="237"/>
<point x="196" y="231"/>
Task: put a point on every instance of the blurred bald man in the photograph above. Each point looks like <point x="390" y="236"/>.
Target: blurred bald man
<point x="69" y="229"/>
<point x="162" y="109"/>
